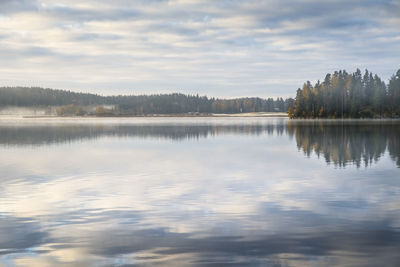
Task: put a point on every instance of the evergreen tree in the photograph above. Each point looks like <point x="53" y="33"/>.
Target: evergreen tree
<point x="344" y="95"/>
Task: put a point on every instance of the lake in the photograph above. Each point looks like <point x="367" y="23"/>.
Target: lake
<point x="199" y="191"/>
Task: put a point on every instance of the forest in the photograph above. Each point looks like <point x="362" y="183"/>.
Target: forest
<point x="339" y="95"/>
<point x="345" y="95"/>
<point x="72" y="103"/>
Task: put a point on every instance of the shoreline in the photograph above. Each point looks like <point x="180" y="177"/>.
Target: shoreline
<point x="235" y="115"/>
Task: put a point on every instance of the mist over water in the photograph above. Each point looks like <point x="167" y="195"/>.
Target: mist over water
<point x="199" y="191"/>
<point x="15" y="112"/>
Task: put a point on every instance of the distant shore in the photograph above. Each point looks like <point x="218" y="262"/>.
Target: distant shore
<point x="250" y="114"/>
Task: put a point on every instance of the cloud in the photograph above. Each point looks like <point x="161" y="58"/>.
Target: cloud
<point x="13" y="6"/>
<point x="224" y="48"/>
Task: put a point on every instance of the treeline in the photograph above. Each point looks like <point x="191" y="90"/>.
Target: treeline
<point x="71" y="103"/>
<point x="180" y="103"/>
<point x="35" y="96"/>
<point x="344" y="95"/>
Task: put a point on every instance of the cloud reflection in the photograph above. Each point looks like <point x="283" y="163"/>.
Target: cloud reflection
<point x="237" y="194"/>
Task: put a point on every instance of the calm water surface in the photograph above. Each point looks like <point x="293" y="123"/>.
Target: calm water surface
<point x="199" y="191"/>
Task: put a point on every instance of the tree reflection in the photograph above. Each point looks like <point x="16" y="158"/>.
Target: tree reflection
<point x="54" y="134"/>
<point x="341" y="142"/>
<point x="344" y="142"/>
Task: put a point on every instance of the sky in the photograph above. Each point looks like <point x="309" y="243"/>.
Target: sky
<point x="225" y="48"/>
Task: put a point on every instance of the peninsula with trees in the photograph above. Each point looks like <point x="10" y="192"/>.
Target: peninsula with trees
<point x="345" y="95"/>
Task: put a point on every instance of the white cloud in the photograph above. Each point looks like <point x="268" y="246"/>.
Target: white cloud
<point x="230" y="48"/>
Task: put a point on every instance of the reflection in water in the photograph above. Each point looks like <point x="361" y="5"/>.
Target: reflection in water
<point x="201" y="192"/>
<point x="343" y="142"/>
<point x="339" y="142"/>
<point x="39" y="135"/>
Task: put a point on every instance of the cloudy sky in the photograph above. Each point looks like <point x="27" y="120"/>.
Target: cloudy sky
<point x="220" y="48"/>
